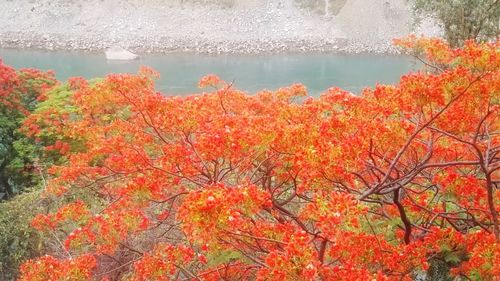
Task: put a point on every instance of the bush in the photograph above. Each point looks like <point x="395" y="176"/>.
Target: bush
<point x="322" y="7"/>
<point x="220" y="3"/>
<point x="18" y="241"/>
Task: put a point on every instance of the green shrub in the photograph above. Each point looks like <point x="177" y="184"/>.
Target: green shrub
<point x="322" y="7"/>
<point x="18" y="241"/>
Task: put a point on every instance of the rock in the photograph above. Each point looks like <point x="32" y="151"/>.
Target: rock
<point x="118" y="53"/>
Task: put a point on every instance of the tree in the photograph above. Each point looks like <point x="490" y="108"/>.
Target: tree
<point x="19" y="94"/>
<point x="463" y="19"/>
<point x="227" y="186"/>
<point x="18" y="240"/>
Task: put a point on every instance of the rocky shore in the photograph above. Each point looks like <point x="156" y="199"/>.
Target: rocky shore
<point x="237" y="26"/>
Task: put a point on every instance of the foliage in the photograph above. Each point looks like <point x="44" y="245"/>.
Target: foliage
<point x="77" y="269"/>
<point x="227" y="186"/>
<point x="219" y="3"/>
<point x="322" y="7"/>
<point x="463" y="19"/>
<point x="19" y="94"/>
<point x="18" y="240"/>
<point x="46" y="126"/>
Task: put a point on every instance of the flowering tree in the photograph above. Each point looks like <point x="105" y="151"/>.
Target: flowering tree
<point x="19" y="93"/>
<point x="227" y="186"/>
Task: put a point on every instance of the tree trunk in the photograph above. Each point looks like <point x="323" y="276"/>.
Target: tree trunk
<point x="5" y="186"/>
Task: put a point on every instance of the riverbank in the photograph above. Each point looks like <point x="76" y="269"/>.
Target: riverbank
<point x="196" y="26"/>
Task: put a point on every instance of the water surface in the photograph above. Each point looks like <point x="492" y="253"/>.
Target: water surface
<point x="180" y="73"/>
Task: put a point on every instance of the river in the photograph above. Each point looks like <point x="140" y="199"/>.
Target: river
<point x="181" y="72"/>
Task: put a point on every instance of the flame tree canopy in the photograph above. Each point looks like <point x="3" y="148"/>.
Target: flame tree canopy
<point x="20" y="91"/>
<point x="229" y="186"/>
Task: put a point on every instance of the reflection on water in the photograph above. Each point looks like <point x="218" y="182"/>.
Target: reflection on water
<point x="180" y="72"/>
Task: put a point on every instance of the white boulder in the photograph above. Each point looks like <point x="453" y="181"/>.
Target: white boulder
<point x="118" y="53"/>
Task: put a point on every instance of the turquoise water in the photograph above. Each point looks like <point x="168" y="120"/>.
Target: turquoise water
<point x="180" y="73"/>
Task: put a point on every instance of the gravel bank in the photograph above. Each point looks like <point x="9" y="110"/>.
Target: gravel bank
<point x="237" y="26"/>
